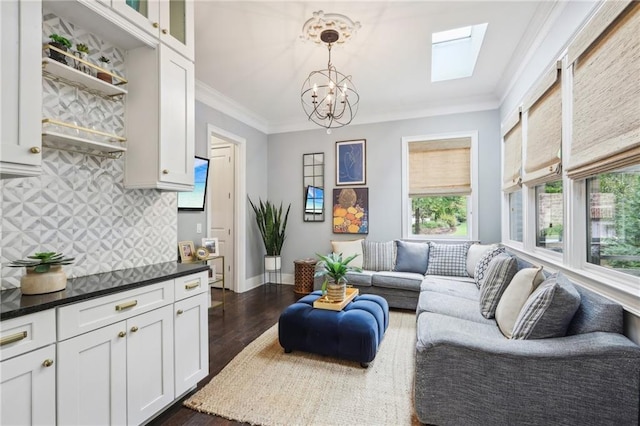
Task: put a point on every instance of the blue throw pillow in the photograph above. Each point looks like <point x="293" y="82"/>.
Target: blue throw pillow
<point x="411" y="257"/>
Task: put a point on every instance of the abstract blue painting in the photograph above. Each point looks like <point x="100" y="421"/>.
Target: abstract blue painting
<point x="351" y="162"/>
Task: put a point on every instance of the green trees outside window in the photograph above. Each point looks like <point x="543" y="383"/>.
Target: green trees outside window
<point x="446" y="215"/>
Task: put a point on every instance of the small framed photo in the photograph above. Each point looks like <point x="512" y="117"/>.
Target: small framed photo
<point x="187" y="251"/>
<point x="351" y="162"/>
<point x="212" y="246"/>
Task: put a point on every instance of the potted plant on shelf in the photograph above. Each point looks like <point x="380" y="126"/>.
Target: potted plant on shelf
<point x="82" y="52"/>
<point x="272" y="227"/>
<point x="104" y="64"/>
<point x="44" y="272"/>
<point x="61" y="43"/>
<point x="334" y="270"/>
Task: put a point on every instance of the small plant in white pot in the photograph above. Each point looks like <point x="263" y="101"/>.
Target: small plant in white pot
<point x="272" y="227"/>
<point x="44" y="272"/>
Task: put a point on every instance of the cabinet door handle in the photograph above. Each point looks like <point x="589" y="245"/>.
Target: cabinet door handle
<point x="155" y="25"/>
<point x="13" y="338"/>
<point x="165" y="172"/>
<point x="126" y="305"/>
<point x="122" y="334"/>
<point x="47" y="362"/>
<point x="134" y="329"/>
<point x="180" y="312"/>
<point x="35" y="150"/>
<point x="164" y="31"/>
<point x="192" y="285"/>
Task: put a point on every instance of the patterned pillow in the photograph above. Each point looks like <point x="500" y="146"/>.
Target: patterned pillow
<point x="378" y="256"/>
<point x="499" y="274"/>
<point x="412" y="257"/>
<point x="475" y="253"/>
<point x="548" y="311"/>
<point x="448" y="259"/>
<point x="483" y="264"/>
<point x="348" y="248"/>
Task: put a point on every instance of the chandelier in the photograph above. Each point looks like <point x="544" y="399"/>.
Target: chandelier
<point x="329" y="97"/>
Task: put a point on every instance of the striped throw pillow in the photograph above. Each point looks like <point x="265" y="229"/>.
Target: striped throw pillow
<point x="378" y="256"/>
<point x="500" y="272"/>
<point x="483" y="264"/>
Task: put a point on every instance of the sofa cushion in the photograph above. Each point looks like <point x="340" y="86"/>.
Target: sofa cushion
<point x="483" y="264"/>
<point x="548" y="311"/>
<point x="448" y="259"/>
<point x="596" y="313"/>
<point x="378" y="256"/>
<point x="475" y="253"/>
<point x="498" y="276"/>
<point x="411" y="257"/>
<point x="348" y="248"/>
<point x="433" y="329"/>
<point x="446" y="304"/>
<point x="400" y="280"/>
<point x="362" y="279"/>
<point x="515" y="296"/>
<point x="464" y="289"/>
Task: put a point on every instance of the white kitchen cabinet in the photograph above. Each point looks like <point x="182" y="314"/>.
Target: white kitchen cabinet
<point x="21" y="88"/>
<point x="118" y="374"/>
<point x="28" y="388"/>
<point x="160" y="120"/>
<point x="191" y="332"/>
<point x="169" y="21"/>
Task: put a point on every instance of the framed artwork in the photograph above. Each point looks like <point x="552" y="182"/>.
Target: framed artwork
<point x="187" y="251"/>
<point x="351" y="162"/>
<point x="211" y="244"/>
<point x="351" y="211"/>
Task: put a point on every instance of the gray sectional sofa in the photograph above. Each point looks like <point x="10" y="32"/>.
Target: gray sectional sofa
<point x="467" y="371"/>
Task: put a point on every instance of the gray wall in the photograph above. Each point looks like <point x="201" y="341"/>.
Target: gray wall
<point x="256" y="181"/>
<point x="285" y="151"/>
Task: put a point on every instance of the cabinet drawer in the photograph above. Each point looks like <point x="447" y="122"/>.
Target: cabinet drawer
<point x="81" y="317"/>
<point x="26" y="333"/>
<point x="191" y="285"/>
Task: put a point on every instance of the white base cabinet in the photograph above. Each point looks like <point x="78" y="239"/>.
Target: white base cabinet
<point x="191" y="350"/>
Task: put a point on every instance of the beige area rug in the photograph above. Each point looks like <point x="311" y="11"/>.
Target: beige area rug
<point x="264" y="386"/>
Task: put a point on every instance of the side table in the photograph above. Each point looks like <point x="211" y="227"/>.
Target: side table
<point x="303" y="278"/>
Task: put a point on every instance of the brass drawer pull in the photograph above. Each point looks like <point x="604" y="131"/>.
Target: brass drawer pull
<point x="13" y="338"/>
<point x="47" y="362"/>
<point x="165" y="172"/>
<point x="164" y="31"/>
<point x="180" y="312"/>
<point x="35" y="150"/>
<point x="122" y="334"/>
<point x="192" y="285"/>
<point x="155" y="25"/>
<point x="126" y="305"/>
<point x="134" y="329"/>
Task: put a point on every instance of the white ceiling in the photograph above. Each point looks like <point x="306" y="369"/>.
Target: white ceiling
<point x="250" y="56"/>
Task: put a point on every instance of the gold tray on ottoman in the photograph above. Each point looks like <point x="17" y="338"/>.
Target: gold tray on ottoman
<point x="323" y="303"/>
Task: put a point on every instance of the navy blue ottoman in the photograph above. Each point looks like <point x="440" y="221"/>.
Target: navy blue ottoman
<point x="354" y="333"/>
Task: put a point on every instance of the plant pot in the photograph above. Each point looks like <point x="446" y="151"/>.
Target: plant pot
<point x="104" y="77"/>
<point x="337" y="292"/>
<point x="57" y="56"/>
<point x="272" y="263"/>
<point x="46" y="282"/>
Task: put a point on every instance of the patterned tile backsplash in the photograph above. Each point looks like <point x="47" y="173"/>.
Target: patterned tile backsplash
<point x="79" y="205"/>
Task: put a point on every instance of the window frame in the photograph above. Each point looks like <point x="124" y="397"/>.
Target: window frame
<point x="472" y="203"/>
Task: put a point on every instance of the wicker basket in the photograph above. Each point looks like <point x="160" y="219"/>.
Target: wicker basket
<point x="304" y="270"/>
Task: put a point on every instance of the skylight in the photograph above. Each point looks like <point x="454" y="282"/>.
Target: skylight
<point x="454" y="52"/>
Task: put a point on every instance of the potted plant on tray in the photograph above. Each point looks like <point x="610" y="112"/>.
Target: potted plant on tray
<point x="104" y="75"/>
<point x="334" y="270"/>
<point x="61" y="43"/>
<point x="44" y="272"/>
<point x="272" y="227"/>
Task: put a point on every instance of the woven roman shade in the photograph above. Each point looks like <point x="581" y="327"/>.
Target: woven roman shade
<point x="544" y="130"/>
<point x="606" y="91"/>
<point x="440" y="167"/>
<point x="512" y="134"/>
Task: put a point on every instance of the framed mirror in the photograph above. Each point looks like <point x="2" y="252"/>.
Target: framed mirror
<point x="313" y="187"/>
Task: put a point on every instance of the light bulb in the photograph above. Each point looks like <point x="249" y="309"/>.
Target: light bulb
<point x="315" y="88"/>
<point x="331" y="85"/>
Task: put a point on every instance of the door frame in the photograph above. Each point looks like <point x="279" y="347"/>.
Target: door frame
<point x="240" y="207"/>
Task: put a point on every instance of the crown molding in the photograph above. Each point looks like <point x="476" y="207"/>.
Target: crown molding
<point x="216" y="100"/>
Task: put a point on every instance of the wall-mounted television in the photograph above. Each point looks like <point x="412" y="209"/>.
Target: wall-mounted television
<point x="195" y="200"/>
<point x="314" y="200"/>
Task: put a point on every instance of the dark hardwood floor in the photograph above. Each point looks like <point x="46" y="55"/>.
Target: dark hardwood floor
<point x="246" y="316"/>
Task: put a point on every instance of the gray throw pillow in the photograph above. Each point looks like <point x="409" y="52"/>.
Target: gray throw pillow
<point x="549" y="310"/>
<point x="378" y="256"/>
<point x="483" y="264"/>
<point x="499" y="274"/>
<point x="411" y="257"/>
<point x="448" y="259"/>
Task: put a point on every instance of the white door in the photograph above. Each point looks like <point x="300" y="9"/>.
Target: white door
<point x="222" y="202"/>
<point x="191" y="341"/>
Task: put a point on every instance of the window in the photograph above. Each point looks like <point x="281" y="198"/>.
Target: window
<point x="515" y="216"/>
<point x="454" y="53"/>
<point x="549" y="217"/>
<point x="613" y="223"/>
<point x="438" y="192"/>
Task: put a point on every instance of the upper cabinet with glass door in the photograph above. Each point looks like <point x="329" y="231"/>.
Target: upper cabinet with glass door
<point x="170" y="21"/>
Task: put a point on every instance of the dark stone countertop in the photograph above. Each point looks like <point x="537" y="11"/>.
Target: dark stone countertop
<point x="14" y="304"/>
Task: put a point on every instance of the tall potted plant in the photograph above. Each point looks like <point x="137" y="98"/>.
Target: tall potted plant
<point x="334" y="270"/>
<point x="272" y="226"/>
